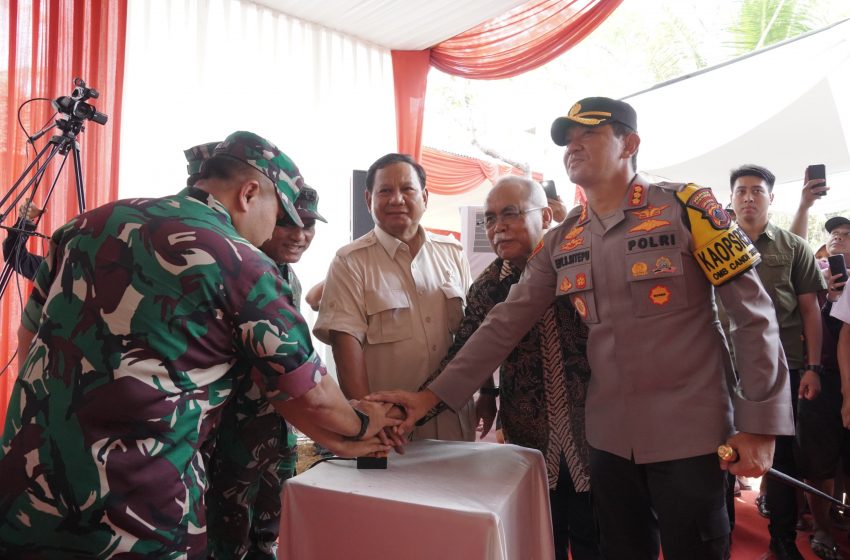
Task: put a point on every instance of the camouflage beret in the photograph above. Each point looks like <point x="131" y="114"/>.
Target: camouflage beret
<point x="196" y="155"/>
<point x="266" y="158"/>
<point x="307" y="204"/>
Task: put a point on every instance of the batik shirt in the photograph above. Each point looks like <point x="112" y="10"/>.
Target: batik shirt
<point x="534" y="412"/>
<point x="144" y="311"/>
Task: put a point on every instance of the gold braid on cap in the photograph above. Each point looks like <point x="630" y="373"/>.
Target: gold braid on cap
<point x="587" y="117"/>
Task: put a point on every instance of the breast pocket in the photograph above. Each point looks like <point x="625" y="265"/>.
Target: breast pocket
<point x="657" y="282"/>
<point x="454" y="305"/>
<point x="388" y="316"/>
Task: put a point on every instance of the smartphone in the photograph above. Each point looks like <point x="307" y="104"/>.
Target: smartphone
<point x="816" y="171"/>
<point x="549" y="188"/>
<point x="838" y="266"/>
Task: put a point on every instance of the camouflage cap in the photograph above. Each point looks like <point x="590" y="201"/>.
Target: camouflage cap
<point x="266" y="158"/>
<point x="307" y="204"/>
<point x="196" y="155"/>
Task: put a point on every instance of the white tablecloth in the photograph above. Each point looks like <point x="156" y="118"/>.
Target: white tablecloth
<point x="440" y="500"/>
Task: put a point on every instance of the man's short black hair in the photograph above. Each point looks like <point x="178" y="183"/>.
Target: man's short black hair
<point x="222" y="167"/>
<point x="390" y="159"/>
<point x="751" y="170"/>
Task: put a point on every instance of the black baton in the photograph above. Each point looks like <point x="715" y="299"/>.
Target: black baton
<point x="729" y="454"/>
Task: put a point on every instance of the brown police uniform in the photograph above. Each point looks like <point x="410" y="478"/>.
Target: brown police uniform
<point x="662" y="386"/>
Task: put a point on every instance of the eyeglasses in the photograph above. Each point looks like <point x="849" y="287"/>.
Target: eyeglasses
<point x="507" y="217"/>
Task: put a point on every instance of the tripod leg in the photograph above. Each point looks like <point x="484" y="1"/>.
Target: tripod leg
<point x="78" y="174"/>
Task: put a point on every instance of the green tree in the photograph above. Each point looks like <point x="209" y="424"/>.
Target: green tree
<point x="762" y="23"/>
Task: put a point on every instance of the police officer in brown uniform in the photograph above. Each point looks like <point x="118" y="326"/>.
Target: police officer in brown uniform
<point x="641" y="263"/>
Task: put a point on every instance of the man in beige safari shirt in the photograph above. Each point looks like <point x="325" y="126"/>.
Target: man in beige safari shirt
<point x="394" y="298"/>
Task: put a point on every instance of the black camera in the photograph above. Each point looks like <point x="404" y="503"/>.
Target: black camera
<point x="75" y="105"/>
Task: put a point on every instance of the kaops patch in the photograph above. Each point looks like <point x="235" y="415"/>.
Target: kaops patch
<point x="704" y="202"/>
<point x="722" y="255"/>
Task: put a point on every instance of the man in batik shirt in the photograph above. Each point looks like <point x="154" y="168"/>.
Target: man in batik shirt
<point x="139" y="316"/>
<point x="543" y="382"/>
<point x="254" y="447"/>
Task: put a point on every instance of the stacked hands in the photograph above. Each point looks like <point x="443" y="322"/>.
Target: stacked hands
<point x="396" y="413"/>
<point x="392" y="417"/>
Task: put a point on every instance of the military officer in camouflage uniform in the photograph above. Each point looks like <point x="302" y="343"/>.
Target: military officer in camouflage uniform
<point x="254" y="447"/>
<point x="641" y="263"/>
<point x="143" y="318"/>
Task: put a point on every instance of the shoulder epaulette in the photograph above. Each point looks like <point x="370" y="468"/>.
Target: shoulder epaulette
<point x="362" y="242"/>
<point x="722" y="249"/>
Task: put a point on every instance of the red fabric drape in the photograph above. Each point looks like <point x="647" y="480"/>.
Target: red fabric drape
<point x="49" y="43"/>
<point x="522" y="39"/>
<point x="410" y="77"/>
<point x="449" y="174"/>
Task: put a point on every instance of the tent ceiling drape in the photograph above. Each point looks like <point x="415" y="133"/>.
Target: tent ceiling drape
<point x="520" y="40"/>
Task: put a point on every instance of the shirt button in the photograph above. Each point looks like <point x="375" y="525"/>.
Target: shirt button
<point x="434" y="348"/>
<point x="427" y="319"/>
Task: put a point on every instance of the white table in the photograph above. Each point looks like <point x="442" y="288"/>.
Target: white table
<point x="440" y="500"/>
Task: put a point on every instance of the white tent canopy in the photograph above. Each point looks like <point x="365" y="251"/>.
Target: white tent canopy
<point x="784" y="107"/>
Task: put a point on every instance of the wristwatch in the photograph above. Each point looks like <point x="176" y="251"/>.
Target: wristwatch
<point x="364" y="425"/>
<point x="817" y="368"/>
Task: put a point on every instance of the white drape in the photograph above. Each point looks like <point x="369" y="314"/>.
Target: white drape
<point x="197" y="70"/>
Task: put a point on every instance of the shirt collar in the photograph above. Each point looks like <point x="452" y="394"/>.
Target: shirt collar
<point x="770" y="231"/>
<point x="206" y="198"/>
<point x="391" y="244"/>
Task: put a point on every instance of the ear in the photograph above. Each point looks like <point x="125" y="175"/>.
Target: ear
<point x="771" y="197"/>
<point x="425" y="197"/>
<point x="547" y="217"/>
<point x="247" y="191"/>
<point x="631" y="143"/>
<point x="367" y="196"/>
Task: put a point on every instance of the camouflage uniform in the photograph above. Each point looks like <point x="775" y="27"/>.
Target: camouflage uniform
<point x="147" y="313"/>
<point x="254" y="453"/>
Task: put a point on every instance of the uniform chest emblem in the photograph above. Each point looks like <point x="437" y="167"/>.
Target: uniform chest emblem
<point x="659" y="295"/>
<point x="649" y="225"/>
<point x="581" y="280"/>
<point x="664" y="265"/>
<point x="566" y="285"/>
<point x="573" y="233"/>
<point x="639" y="269"/>
<point x="581" y="306"/>
<point x="571" y="244"/>
<point x="650" y="212"/>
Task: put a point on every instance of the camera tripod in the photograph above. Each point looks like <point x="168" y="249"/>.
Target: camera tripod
<point x="64" y="144"/>
<point x="77" y="111"/>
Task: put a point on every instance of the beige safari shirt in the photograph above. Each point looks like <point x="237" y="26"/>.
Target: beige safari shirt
<point x="404" y="311"/>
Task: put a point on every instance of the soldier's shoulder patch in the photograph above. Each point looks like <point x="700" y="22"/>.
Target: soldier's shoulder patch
<point x="702" y="200"/>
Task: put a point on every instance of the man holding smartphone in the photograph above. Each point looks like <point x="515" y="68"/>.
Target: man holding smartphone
<point x="821" y="433"/>
<point x="791" y="277"/>
<point x="814" y="188"/>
